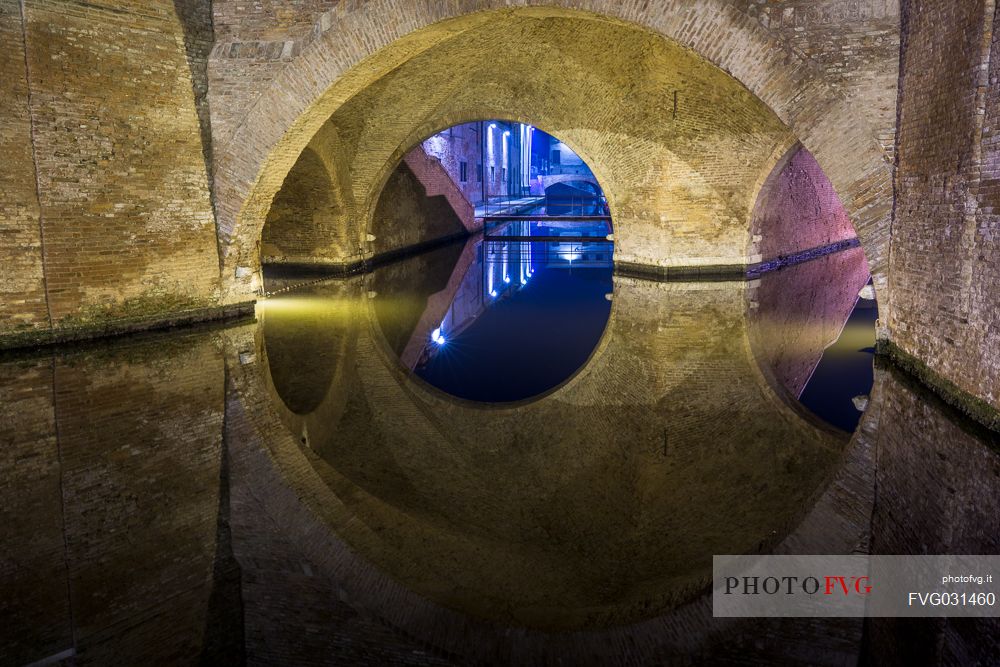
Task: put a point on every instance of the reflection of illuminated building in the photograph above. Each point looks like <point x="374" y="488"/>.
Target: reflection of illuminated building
<point x="503" y="268"/>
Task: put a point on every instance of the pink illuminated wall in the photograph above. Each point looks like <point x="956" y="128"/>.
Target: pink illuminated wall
<point x="797" y="209"/>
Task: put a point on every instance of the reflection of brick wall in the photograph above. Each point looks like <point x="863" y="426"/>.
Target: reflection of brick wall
<point x="109" y="502"/>
<point x="946" y="235"/>
<point x="34" y="611"/>
<point x="798" y="209"/>
<point x="938" y="486"/>
<point x="799" y="311"/>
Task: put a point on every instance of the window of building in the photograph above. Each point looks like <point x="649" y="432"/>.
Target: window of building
<point x="556" y="156"/>
<point x="463" y="171"/>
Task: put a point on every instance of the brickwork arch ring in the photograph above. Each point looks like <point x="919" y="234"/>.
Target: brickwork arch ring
<point x="361" y="48"/>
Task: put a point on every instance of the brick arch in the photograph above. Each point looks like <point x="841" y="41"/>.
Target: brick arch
<point x="308" y="195"/>
<point x="308" y="215"/>
<point x="797" y="209"/>
<point x="361" y="47"/>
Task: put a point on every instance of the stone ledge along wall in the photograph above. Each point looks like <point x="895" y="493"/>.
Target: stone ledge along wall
<point x="945" y="257"/>
<point x="105" y="186"/>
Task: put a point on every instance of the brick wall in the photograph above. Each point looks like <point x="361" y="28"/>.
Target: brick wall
<point x="945" y="233"/>
<point x="405" y="215"/>
<point x="842" y="129"/>
<point x="797" y="209"/>
<point x="463" y="143"/>
<point x="22" y="280"/>
<point x="855" y="42"/>
<point x="440" y="181"/>
<point x="123" y="184"/>
<point x="303" y="224"/>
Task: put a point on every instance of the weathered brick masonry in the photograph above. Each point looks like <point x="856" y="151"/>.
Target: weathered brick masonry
<point x="104" y="93"/>
<point x="312" y="85"/>
<point x="945" y="262"/>
<point x="22" y="280"/>
<point x="130" y="100"/>
<point x="124" y="121"/>
<point x="797" y="209"/>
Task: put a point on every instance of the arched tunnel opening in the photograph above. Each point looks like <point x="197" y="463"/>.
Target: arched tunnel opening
<point x="523" y="291"/>
<point x="551" y="332"/>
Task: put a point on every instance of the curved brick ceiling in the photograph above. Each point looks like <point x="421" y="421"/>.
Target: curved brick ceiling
<point x="618" y="76"/>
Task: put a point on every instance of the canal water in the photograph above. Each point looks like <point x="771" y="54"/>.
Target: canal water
<point x="496" y="452"/>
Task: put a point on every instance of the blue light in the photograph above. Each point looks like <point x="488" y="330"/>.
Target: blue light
<point x="493" y="292"/>
<point x="506" y="279"/>
<point x="436" y="334"/>
<point x="440" y="340"/>
<point x="524" y="281"/>
<point x="493" y="126"/>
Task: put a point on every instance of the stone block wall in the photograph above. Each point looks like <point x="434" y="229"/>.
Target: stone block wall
<point x="946" y="233"/>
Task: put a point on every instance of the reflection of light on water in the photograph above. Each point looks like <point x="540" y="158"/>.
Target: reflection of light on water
<point x="286" y="306"/>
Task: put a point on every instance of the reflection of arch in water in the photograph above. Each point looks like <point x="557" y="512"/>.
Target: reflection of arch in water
<point x="487" y="272"/>
<point x="632" y="451"/>
<point x="574" y="197"/>
<point x="306" y="343"/>
<point x="798" y="312"/>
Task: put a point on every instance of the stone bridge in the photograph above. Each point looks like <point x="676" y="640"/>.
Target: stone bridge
<point x="147" y="144"/>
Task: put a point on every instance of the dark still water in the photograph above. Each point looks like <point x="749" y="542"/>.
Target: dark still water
<point x="512" y="320"/>
<point x="308" y="488"/>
